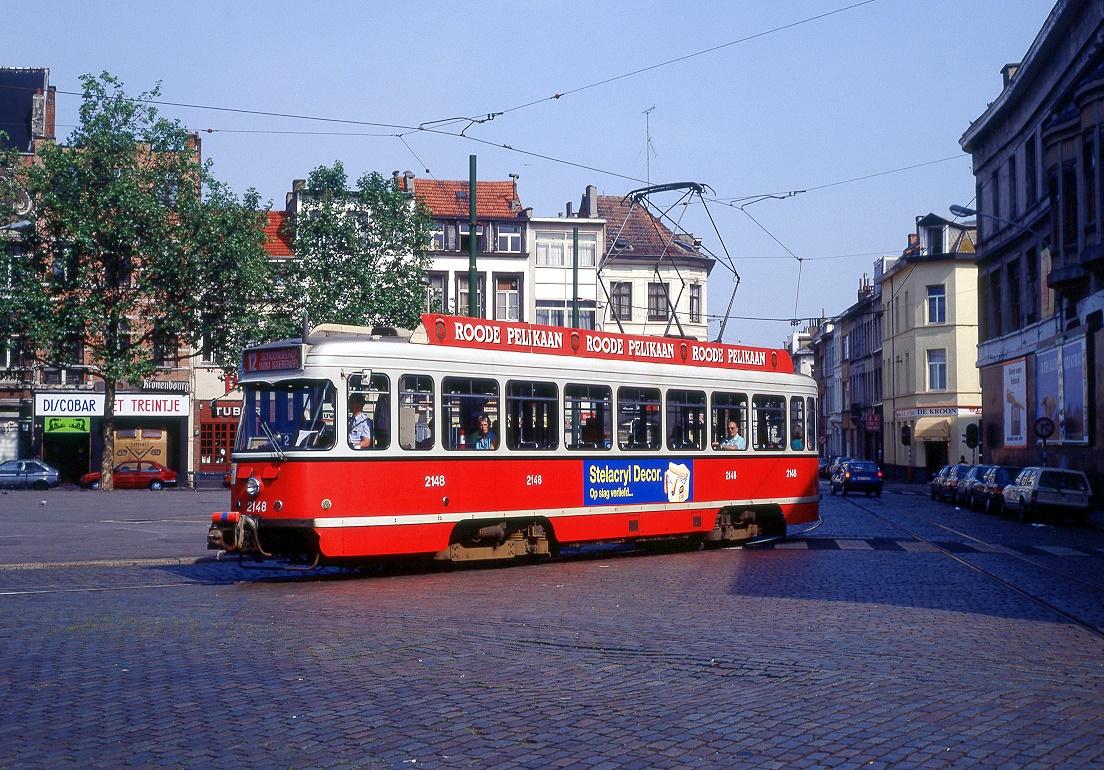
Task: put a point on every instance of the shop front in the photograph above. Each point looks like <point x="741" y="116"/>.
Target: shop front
<point x="148" y="426"/>
<point x="218" y="423"/>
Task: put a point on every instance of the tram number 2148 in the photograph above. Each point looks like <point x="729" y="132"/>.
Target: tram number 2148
<point x="435" y="481"/>
<point x="533" y="480"/>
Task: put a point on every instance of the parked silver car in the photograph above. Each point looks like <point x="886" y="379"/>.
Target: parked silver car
<point x="1055" y="491"/>
<point x="27" y="474"/>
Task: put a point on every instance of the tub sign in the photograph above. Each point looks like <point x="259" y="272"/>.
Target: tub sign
<point x="614" y="482"/>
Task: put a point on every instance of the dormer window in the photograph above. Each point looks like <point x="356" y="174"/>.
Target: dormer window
<point x="935" y="240"/>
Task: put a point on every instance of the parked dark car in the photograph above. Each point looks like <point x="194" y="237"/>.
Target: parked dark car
<point x="989" y="492"/>
<point x="135" y="475"/>
<point x="944" y="487"/>
<point x="857" y="476"/>
<point x="824" y="466"/>
<point x="27" y="474"/>
<point x="937" y="481"/>
<point x="835" y="465"/>
<point x="1055" y="492"/>
<point x="964" y="490"/>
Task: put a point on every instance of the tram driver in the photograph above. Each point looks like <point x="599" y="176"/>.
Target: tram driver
<point x="360" y="424"/>
<point x="733" y="439"/>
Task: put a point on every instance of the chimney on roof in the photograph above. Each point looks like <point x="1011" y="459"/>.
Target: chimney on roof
<point x="568" y="208"/>
<point x="591" y="198"/>
<point x="1009" y="72"/>
<point x="408" y="181"/>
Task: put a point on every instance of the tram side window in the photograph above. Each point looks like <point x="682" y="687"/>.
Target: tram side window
<point x="768" y="420"/>
<point x="638" y="418"/>
<point x="531" y="421"/>
<point x="369" y="411"/>
<point x="685" y="419"/>
<point x="729" y="421"/>
<point x="797" y="423"/>
<point x="469" y="408"/>
<point x="588" y="416"/>
<point x="810" y="425"/>
<point x="416" y="411"/>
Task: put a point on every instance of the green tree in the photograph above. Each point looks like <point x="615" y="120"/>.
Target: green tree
<point x="360" y="253"/>
<point x="137" y="251"/>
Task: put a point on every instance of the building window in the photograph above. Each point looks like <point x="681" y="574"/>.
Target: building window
<point x="695" y="303"/>
<point x="437" y="238"/>
<point x="1088" y="175"/>
<point x="1032" y="287"/>
<point x="657" y="302"/>
<point x="465" y="235"/>
<point x="553" y="313"/>
<point x="996" y="328"/>
<point x="438" y="293"/>
<point x="621" y="301"/>
<point x="994" y="192"/>
<point x="508" y="298"/>
<point x="937" y="370"/>
<point x="509" y="238"/>
<point x="555" y="248"/>
<point x="1013" y="203"/>
<point x="165" y="348"/>
<point x="462" y="295"/>
<point x="1069" y="207"/>
<point x="1030" y="185"/>
<point x="1014" y="294"/>
<point x="935" y="240"/>
<point x="937" y="304"/>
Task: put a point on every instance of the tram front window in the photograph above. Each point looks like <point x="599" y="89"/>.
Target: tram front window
<point x="293" y="415"/>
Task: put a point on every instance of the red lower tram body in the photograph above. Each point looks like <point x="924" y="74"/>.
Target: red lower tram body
<point x="344" y="512"/>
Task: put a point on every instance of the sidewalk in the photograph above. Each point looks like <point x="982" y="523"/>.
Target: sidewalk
<point x="65" y="525"/>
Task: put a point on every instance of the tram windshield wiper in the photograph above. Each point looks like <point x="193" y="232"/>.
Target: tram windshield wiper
<point x="273" y="440"/>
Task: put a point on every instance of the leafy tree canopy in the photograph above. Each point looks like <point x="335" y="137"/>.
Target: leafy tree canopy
<point x="136" y="247"/>
<point x="361" y="252"/>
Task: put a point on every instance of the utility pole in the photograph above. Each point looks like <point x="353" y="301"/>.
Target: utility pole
<point x="473" y="242"/>
<point x="648" y="142"/>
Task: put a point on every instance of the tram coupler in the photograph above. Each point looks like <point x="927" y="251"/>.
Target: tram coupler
<point x="235" y="532"/>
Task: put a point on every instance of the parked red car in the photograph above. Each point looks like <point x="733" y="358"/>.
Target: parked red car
<point x="135" y="475"/>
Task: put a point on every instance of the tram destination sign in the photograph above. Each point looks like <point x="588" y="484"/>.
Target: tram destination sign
<point x="500" y="335"/>
<point x="280" y="359"/>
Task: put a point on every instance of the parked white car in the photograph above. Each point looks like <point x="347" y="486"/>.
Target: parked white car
<point x="1057" y="492"/>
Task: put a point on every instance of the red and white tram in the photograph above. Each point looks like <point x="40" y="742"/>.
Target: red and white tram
<point x="479" y="439"/>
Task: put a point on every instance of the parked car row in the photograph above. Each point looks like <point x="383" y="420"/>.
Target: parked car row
<point x="35" y="474"/>
<point x="1025" y="494"/>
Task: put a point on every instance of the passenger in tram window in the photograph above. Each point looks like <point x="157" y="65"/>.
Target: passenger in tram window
<point x="484" y="437"/>
<point x="798" y="441"/>
<point x="733" y="439"/>
<point x="360" y="424"/>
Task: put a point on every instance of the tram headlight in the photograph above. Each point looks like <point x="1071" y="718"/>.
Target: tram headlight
<point x="252" y="486"/>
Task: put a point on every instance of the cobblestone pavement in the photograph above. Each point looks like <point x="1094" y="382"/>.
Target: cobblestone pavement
<point x="901" y="633"/>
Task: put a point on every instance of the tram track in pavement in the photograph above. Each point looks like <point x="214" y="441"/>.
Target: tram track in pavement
<point x="1081" y="623"/>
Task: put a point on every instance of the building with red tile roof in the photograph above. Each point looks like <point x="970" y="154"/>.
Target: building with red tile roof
<point x="278" y="235"/>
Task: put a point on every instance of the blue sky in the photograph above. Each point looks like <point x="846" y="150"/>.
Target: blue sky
<point x="885" y="85"/>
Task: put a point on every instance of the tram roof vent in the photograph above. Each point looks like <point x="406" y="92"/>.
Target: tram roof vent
<point x="376" y="332"/>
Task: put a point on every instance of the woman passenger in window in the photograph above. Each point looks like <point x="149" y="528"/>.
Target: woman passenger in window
<point x="484" y="439"/>
<point x="798" y="441"/>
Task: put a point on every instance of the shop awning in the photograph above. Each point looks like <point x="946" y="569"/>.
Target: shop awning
<point x="932" y="429"/>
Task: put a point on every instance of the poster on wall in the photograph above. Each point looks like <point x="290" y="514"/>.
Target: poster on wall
<point x="1074" y="392"/>
<point x="1047" y="401"/>
<point x="1015" y="400"/>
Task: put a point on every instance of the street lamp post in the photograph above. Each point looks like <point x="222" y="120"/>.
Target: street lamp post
<point x="22" y="224"/>
<point x="965" y="211"/>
